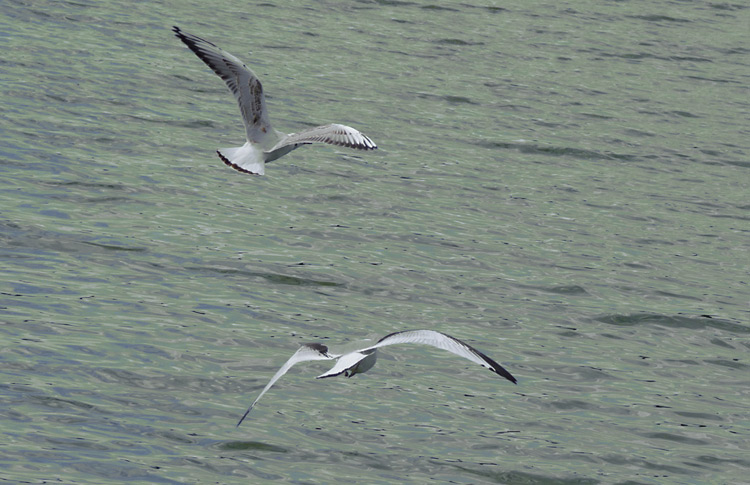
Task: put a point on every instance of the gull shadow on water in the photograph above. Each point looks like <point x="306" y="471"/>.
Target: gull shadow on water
<point x="673" y="321"/>
<point x="280" y="279"/>
<point x="30" y="240"/>
<point x="120" y="472"/>
<point x="87" y="185"/>
<point x="558" y="290"/>
<point x="251" y="446"/>
<point x="451" y="99"/>
<point x="533" y="149"/>
<point x="112" y="247"/>
<point x="511" y="477"/>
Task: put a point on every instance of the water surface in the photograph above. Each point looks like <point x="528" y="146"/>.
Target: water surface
<point x="563" y="186"/>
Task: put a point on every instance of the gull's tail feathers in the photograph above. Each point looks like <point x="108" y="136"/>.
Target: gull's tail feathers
<point x="244" y="159"/>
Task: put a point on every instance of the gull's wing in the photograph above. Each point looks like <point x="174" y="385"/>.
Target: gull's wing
<point x="333" y="134"/>
<point x="441" y="341"/>
<point x="240" y="80"/>
<point x="307" y="352"/>
<point x="346" y="362"/>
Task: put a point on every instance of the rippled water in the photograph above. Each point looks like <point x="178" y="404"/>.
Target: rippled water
<point x="562" y="185"/>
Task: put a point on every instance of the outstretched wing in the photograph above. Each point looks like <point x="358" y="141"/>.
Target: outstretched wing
<point x="307" y="352"/>
<point x="445" y="342"/>
<point x="240" y="80"/>
<point x="333" y="134"/>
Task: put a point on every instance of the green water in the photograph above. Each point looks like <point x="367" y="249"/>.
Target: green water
<point x="563" y="185"/>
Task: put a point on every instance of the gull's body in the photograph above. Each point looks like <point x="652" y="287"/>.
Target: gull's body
<point x="362" y="360"/>
<point x="264" y="144"/>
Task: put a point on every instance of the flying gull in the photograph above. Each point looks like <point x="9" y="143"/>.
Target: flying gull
<point x="362" y="360"/>
<point x="264" y="144"/>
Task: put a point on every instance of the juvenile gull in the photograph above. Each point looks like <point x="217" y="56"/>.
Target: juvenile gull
<point x="264" y="144"/>
<point x="362" y="360"/>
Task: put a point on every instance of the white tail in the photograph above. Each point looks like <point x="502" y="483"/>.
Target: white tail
<point x="246" y="158"/>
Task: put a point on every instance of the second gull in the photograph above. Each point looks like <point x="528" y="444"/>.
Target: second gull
<point x="362" y="360"/>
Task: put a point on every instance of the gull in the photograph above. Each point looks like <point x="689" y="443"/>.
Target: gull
<point x="264" y="144"/>
<point x="362" y="360"/>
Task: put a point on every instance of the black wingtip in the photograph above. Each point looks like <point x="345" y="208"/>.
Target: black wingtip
<point x="500" y="370"/>
<point x="497" y="368"/>
<point x="181" y="35"/>
<point x="243" y="417"/>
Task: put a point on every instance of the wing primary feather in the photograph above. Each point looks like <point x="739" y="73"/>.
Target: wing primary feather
<point x="240" y="80"/>
<point x="311" y="351"/>
<point x="333" y="134"/>
<point x="445" y="342"/>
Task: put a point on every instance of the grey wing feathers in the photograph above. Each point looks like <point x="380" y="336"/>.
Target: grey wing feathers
<point x="306" y="352"/>
<point x="239" y="79"/>
<point x="445" y="342"/>
<point x="333" y="134"/>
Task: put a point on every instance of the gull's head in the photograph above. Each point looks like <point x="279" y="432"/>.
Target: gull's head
<point x="320" y="348"/>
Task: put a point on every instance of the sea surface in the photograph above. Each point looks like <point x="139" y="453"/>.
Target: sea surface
<point x="563" y="185"/>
